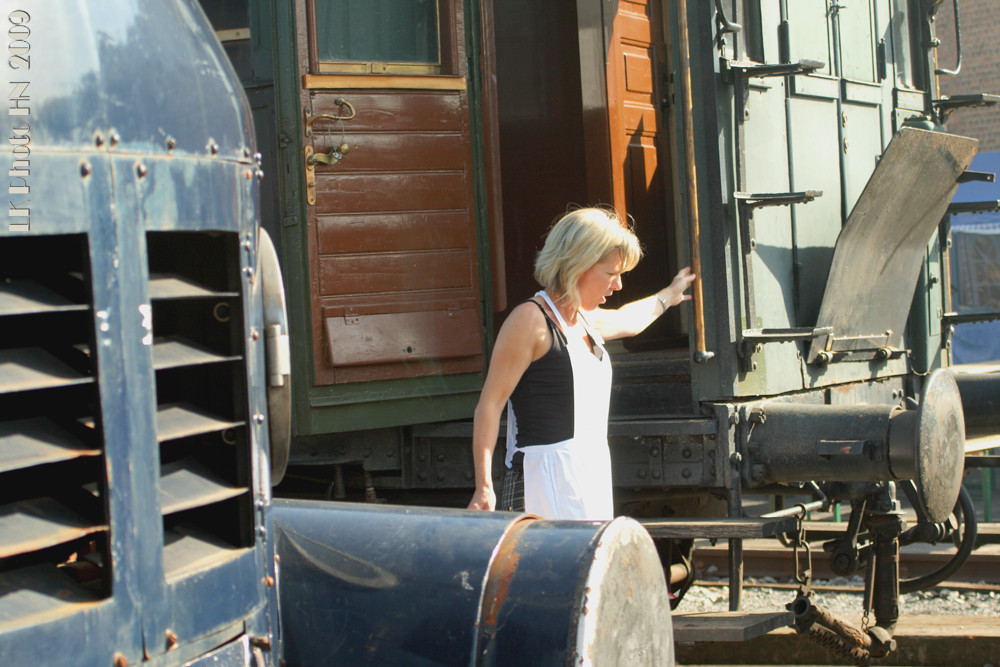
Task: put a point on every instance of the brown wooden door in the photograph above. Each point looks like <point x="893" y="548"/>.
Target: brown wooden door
<point x="394" y="273"/>
<point x="640" y="159"/>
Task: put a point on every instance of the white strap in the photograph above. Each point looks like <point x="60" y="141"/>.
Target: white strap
<point x="552" y="306"/>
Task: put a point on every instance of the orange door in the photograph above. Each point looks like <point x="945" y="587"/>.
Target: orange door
<point x="394" y="274"/>
<point x="640" y="158"/>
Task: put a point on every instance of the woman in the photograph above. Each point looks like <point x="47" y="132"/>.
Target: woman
<point x="550" y="368"/>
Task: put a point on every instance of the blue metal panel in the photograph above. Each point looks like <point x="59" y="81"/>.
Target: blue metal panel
<point x="138" y="123"/>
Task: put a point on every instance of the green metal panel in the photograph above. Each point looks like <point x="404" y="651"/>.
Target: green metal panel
<point x="857" y="46"/>
<point x="808" y="21"/>
<point x="815" y="159"/>
<point x="767" y="172"/>
<point x="862" y="145"/>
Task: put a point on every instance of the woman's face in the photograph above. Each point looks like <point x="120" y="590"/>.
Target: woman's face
<point x="600" y="281"/>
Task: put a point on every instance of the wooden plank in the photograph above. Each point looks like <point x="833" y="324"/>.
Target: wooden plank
<point x="727" y="626"/>
<point x="393" y="232"/>
<point x="397" y="151"/>
<point x="721" y="527"/>
<point x="390" y="192"/>
<point x="403" y="272"/>
<point x="392" y="337"/>
<point x="392" y="110"/>
<point x="387" y="81"/>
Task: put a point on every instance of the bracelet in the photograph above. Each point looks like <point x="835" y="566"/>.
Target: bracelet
<point x="662" y="301"/>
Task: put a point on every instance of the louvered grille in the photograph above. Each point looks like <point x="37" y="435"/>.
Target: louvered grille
<point x="54" y="527"/>
<point x="201" y="420"/>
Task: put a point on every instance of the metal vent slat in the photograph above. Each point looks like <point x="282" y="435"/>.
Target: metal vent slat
<point x="168" y="286"/>
<point x="186" y="484"/>
<point x="24" y="369"/>
<point x="180" y="420"/>
<point x="39" y="593"/>
<point x="22" y="297"/>
<point x="25" y="443"/>
<point x="187" y="550"/>
<point x="30" y="525"/>
<point x="176" y="352"/>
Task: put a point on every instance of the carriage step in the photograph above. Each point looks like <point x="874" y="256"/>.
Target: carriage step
<point x="727" y="626"/>
<point x="748" y="528"/>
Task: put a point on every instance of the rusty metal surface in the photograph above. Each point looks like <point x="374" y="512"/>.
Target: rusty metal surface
<point x="877" y="258"/>
<point x="727" y="626"/>
<point x="30" y="525"/>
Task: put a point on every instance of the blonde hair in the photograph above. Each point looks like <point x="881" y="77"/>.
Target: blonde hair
<point x="577" y="241"/>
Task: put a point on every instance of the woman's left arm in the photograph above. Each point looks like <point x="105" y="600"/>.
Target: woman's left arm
<point x="634" y="317"/>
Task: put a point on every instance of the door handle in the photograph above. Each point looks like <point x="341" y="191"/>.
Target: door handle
<point x="311" y="159"/>
<point x="340" y="101"/>
<point x="333" y="157"/>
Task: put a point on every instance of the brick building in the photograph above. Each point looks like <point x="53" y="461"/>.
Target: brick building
<point x="980" y="72"/>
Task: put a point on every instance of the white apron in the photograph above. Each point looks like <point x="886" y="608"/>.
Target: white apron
<point x="572" y="479"/>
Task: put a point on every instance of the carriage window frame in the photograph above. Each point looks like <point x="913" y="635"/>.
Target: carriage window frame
<point x="447" y="44"/>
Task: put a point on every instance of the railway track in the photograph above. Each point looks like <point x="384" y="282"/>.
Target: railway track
<point x="768" y="558"/>
<point x="947" y="637"/>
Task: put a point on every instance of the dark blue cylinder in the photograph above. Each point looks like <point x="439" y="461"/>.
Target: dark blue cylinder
<point x="380" y="585"/>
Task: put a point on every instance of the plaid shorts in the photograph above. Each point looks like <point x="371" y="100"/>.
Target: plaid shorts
<point x="512" y="493"/>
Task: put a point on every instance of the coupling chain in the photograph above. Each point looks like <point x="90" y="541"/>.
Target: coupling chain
<point x="802" y="577"/>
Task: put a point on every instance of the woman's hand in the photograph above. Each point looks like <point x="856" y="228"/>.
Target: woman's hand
<point x="484" y="499"/>
<point x="634" y="317"/>
<point x="674" y="294"/>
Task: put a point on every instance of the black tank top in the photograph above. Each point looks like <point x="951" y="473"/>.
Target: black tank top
<point x="543" y="398"/>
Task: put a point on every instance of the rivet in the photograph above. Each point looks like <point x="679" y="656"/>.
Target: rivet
<point x="171" y="143"/>
<point x="140" y="170"/>
<point x="114" y="139"/>
<point x="120" y="660"/>
<point x="268" y="581"/>
<point x="171" y="639"/>
<point x="248" y="174"/>
<point x="213" y="148"/>
<point x="98" y="139"/>
<point x="85" y="169"/>
<point x="254" y="334"/>
<point x="258" y="418"/>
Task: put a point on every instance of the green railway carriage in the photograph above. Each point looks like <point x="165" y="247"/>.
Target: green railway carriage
<point x="792" y="151"/>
